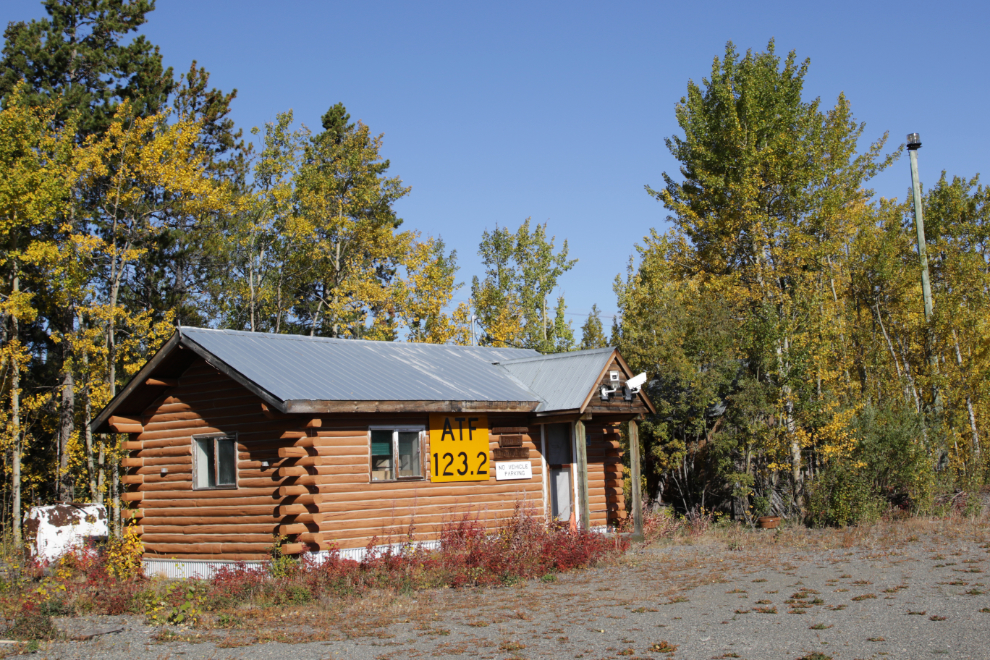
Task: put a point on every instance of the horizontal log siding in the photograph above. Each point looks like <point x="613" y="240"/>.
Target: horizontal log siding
<point x="605" y="498"/>
<point x="358" y="510"/>
<point x="238" y="524"/>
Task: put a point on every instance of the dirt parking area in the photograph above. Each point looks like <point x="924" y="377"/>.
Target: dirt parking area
<point x="910" y="589"/>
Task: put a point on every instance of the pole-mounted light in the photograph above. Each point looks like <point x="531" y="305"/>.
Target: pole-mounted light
<point x="913" y="141"/>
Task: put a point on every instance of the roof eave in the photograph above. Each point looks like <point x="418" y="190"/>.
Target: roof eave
<point x="99" y="425"/>
<point x="601" y="374"/>
<point x="642" y="393"/>
<point x="248" y="384"/>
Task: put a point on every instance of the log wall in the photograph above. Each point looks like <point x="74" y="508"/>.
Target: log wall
<point x="320" y="495"/>
<point x="605" y="498"/>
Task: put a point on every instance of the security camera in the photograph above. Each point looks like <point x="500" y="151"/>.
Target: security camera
<point x="636" y="383"/>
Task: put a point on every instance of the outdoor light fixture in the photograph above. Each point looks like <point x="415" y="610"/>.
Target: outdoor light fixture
<point x="264" y="463"/>
<point x="164" y="471"/>
<point x="913" y="141"/>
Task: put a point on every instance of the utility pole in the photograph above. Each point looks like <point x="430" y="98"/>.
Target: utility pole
<point x="913" y="144"/>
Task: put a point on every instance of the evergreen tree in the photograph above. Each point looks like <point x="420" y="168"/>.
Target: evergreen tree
<point x="592" y="332"/>
<point x="346" y="200"/>
<point x="182" y="256"/>
<point x="78" y="55"/>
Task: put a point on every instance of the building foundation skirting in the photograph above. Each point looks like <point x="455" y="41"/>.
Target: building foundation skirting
<point x="205" y="569"/>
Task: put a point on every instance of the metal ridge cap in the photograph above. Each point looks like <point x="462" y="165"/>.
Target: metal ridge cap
<point x="337" y="340"/>
<point x="555" y="356"/>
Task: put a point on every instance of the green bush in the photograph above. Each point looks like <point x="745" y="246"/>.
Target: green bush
<point x="841" y="496"/>
<point x="54" y="607"/>
<point x="892" y="446"/>
<point x="892" y="465"/>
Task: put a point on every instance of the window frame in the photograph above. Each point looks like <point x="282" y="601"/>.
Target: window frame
<point x="419" y="429"/>
<point x="216" y="467"/>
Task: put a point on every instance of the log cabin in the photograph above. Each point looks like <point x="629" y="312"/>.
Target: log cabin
<point x="234" y="438"/>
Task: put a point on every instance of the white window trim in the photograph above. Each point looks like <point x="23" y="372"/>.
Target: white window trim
<point x="396" y="429"/>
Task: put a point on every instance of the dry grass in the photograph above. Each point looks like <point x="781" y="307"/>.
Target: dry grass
<point x="446" y="618"/>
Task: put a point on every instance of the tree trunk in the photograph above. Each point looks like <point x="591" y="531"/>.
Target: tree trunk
<point x="909" y="389"/>
<point x="87" y="419"/>
<point x="66" y="424"/>
<point x="101" y="477"/>
<point x="795" y="445"/>
<point x="15" y="425"/>
<point x="115" y="488"/>
<point x="969" y="404"/>
<point x="66" y="412"/>
<point x="251" y="283"/>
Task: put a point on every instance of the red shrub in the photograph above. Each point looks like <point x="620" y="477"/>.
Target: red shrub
<point x="468" y="554"/>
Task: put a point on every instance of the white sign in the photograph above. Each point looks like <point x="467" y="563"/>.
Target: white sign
<point x="513" y="470"/>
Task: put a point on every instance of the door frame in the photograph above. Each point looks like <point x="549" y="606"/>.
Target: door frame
<point x="547" y="501"/>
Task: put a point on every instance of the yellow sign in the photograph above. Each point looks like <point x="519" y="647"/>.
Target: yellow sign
<point x="459" y="447"/>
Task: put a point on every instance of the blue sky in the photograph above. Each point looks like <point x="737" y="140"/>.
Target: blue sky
<point x="495" y="112"/>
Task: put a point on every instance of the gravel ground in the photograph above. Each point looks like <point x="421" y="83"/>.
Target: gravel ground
<point x="907" y="590"/>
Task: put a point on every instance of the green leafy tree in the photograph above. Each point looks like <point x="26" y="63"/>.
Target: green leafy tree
<point x="771" y="189"/>
<point x="522" y="270"/>
<point x="36" y="174"/>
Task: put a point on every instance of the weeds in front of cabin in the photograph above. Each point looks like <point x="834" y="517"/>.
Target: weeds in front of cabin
<point x="87" y="581"/>
<point x="525" y="548"/>
<point x="338" y="598"/>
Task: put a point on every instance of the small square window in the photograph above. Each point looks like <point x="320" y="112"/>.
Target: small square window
<point x="395" y="454"/>
<point x="215" y="462"/>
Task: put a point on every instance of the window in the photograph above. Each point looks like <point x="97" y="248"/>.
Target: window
<point x="215" y="462"/>
<point x="395" y="454"/>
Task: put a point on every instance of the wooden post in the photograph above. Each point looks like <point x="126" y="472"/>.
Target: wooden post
<point x="637" y="502"/>
<point x="581" y="441"/>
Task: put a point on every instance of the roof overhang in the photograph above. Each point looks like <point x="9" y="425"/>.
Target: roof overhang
<point x="167" y="359"/>
<point x="627" y="372"/>
<point x="180" y="351"/>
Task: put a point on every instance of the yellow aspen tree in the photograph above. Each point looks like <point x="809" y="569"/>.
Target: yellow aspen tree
<point x="426" y="292"/>
<point x="135" y="157"/>
<point x="34" y="180"/>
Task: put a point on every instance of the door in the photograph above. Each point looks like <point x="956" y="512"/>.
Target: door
<point x="559" y="463"/>
<point x="560" y="488"/>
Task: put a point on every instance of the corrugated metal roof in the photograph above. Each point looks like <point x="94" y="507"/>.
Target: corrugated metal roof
<point x="562" y="380"/>
<point x="294" y="367"/>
